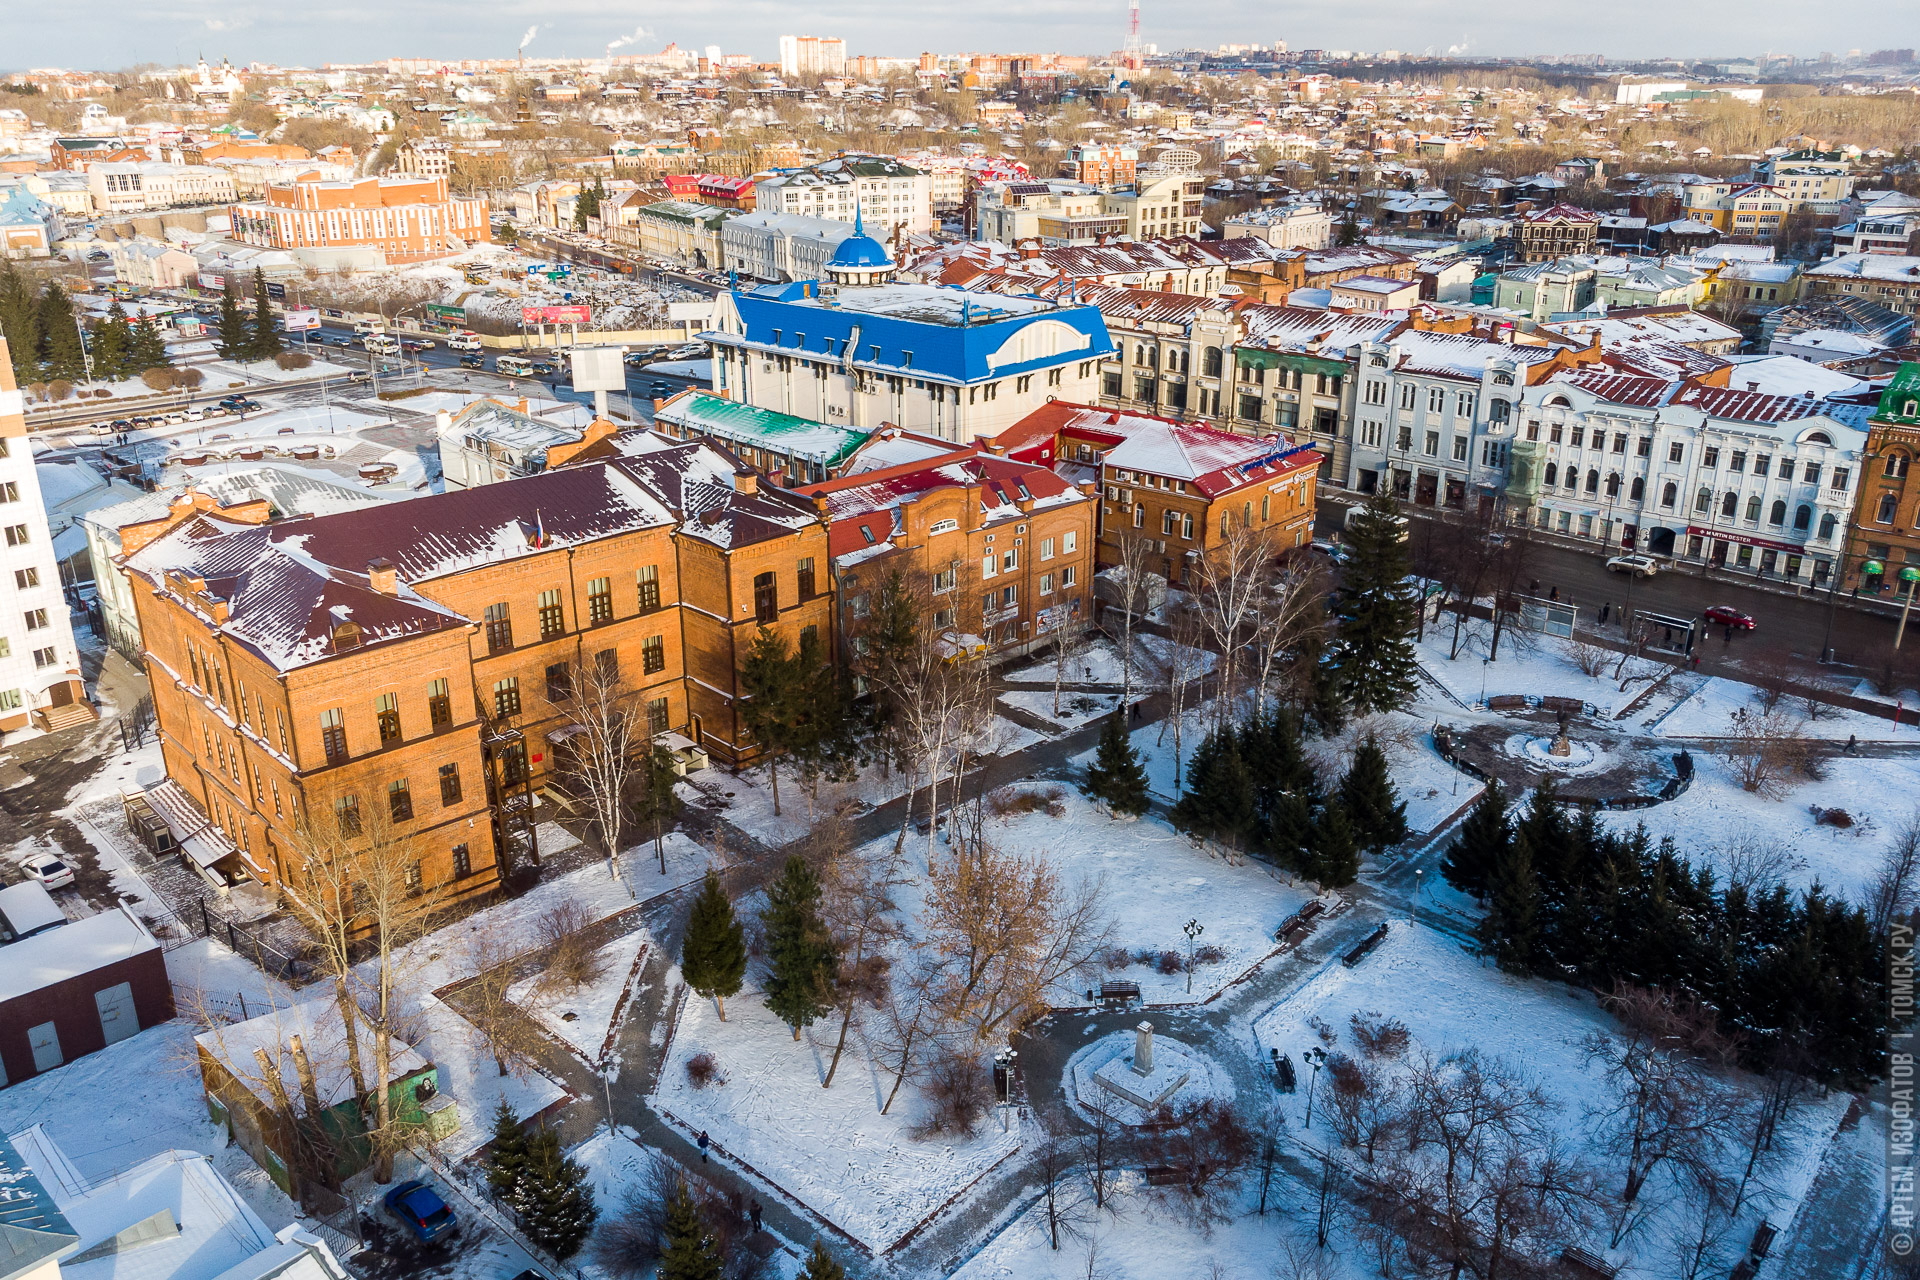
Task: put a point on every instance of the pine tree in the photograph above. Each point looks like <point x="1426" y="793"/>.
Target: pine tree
<point x="1481" y="843"/>
<point x="1290" y="833"/>
<point x="507" y="1157"/>
<point x="19" y="323"/>
<point x="148" y="349"/>
<point x="1336" y="853"/>
<point x="1349" y="231"/>
<point x="821" y="1266"/>
<point x="232" y="339"/>
<point x="1116" y="775"/>
<point x="61" y="352"/>
<point x="713" y="958"/>
<point x="552" y="1197"/>
<point x="1372" y="802"/>
<point x="772" y="705"/>
<point x="112" y="344"/>
<point x="689" y="1252"/>
<point x="1510" y="928"/>
<point x="1219" y="802"/>
<point x="266" y="342"/>
<point x="800" y="954"/>
<point x="1374" y="654"/>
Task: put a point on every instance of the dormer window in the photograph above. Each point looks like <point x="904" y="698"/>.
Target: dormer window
<point x="346" y="636"/>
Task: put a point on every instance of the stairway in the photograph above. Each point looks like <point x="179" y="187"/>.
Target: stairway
<point x="54" y="719"/>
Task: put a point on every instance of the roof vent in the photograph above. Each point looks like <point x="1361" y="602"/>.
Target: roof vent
<point x="383" y="577"/>
<point x="746" y="480"/>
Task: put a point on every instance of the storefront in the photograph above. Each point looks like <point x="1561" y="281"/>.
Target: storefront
<point x="1762" y="557"/>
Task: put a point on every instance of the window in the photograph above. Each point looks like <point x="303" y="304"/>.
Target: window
<point x="506" y="696"/>
<point x="943" y="579"/>
<point x="399" y="800"/>
<point x="462" y="862"/>
<point x="1046" y="548"/>
<point x="1896" y="465"/>
<point x="656" y="715"/>
<point x="1802" y="517"/>
<point x="1593" y="482"/>
<point x="1069" y="576"/>
<point x="989" y="565"/>
<point x="1046" y="584"/>
<point x="386" y="713"/>
<point x="599" y="601"/>
<point x="415" y="880"/>
<point x="449" y="784"/>
<point x="499" y="628"/>
<point x="36" y="619"/>
<point x="10" y="492"/>
<point x="1777" y="514"/>
<point x="1675" y="451"/>
<point x="1669" y="494"/>
<point x="1431" y="446"/>
<point x="1408" y="394"/>
<point x="1841" y="475"/>
<point x="1186" y="525"/>
<point x="1738" y="462"/>
<point x="1139" y="515"/>
<point x="805" y="576"/>
<point x="1460" y="450"/>
<point x="1069" y="541"/>
<point x="552" y="617"/>
<point x="513" y="765"/>
<point x="559" y="682"/>
<point x="1644" y="447"/>
<point x="1889" y="505"/>
<point x="1811" y="475"/>
<point x="653" y="654"/>
<point x="439" y="704"/>
<point x="1762" y="464"/>
<point x="1436" y="399"/>
<point x="346" y="811"/>
<point x="1753" y="509"/>
<point x="1613" y="485"/>
<point x="766" y="598"/>
<point x="24" y="578"/>
<point x="1729" y="506"/>
<point x="1499" y="412"/>
<point x="1828" y="522"/>
<point x="333" y="735"/>
<point x="1551" y="475"/>
<point x="649" y="583"/>
<point x="1711" y="458"/>
<point x="1637" y="490"/>
<point x="1579" y="438"/>
<point x="17" y="535"/>
<point x="1010" y="560"/>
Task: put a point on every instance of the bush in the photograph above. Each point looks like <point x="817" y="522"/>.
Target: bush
<point x="703" y="1069"/>
<point x="293" y="359"/>
<point x="1380" y="1037"/>
<point x="572" y="960"/>
<point x="59" y="389"/>
<point x="1168" y="962"/>
<point x="1116" y="958"/>
<point x="158" y="378"/>
<point x="1208" y="954"/>
<point x="38" y="390"/>
<point x="1837" y="818"/>
<point x="1008" y="801"/>
<point x="956" y="1097"/>
<point x="190" y="378"/>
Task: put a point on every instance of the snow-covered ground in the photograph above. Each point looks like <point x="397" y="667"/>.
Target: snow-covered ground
<point x="1100" y="663"/>
<point x="583" y="1016"/>
<point x="241" y="372"/>
<point x="1529" y="665"/>
<point x="1708" y="711"/>
<point x="1076" y="709"/>
<point x="699" y="369"/>
<point x="830" y="1148"/>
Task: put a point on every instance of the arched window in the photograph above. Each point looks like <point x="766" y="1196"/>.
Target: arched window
<point x="1210" y="362"/>
<point x="1896" y="465"/>
<point x="1802" y="517"/>
<point x="1703" y="501"/>
<point x="1613" y="484"/>
<point x="1553" y="471"/>
<point x="1593" y="482"/>
<point x="1753" y="508"/>
<point x="1637" y="491"/>
<point x="1818" y="437"/>
<point x="1573" y="476"/>
<point x="1827" y="523"/>
<point x="1730" y="505"/>
<point x="1556" y="402"/>
<point x="1777" y="514"/>
<point x="1669" y="495"/>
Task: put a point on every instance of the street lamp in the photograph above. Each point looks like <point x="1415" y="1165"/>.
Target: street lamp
<point x="1910" y="576"/>
<point x="1315" y="1057"/>
<point x="1193" y="929"/>
<point x="1417" y="882"/>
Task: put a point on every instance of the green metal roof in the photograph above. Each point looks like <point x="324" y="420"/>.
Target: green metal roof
<point x="1900" y="402"/>
<point x="723" y="419"/>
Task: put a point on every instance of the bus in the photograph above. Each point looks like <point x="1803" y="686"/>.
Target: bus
<point x="384" y="344"/>
<point x="514" y="366"/>
<point x="463" y="340"/>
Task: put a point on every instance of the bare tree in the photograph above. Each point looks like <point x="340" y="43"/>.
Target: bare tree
<point x="1185" y="660"/>
<point x="1701" y="1235"/>
<point x="501" y="1027"/>
<point x="859" y="909"/>
<point x="1765" y="748"/>
<point x="603" y="747"/>
<point x="1134" y="553"/>
<point x="1289" y="617"/>
<point x="1068" y="651"/>
<point x="1588" y="658"/>
<point x="1101" y="1149"/>
<point x="1001" y="929"/>
<point x="1212" y="1147"/>
<point x="908" y="1027"/>
<point x="1754" y="860"/>
<point x="1229" y="580"/>
<point x="1063" y="1191"/>
<point x="1893" y="891"/>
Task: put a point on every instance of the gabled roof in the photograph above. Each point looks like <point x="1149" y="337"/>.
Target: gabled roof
<point x="1561" y="212"/>
<point x="1746" y="406"/>
<point x="32" y="1228"/>
<point x="701" y="413"/>
<point x="1213" y="462"/>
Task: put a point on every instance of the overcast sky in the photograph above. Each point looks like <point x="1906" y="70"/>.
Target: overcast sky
<point x="118" y="33"/>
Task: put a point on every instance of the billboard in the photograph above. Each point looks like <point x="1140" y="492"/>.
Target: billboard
<point x="208" y="280"/>
<point x="278" y="292"/>
<point x="598" y="369"/>
<point x="301" y="321"/>
<point x="555" y="315"/>
<point x="453" y="315"/>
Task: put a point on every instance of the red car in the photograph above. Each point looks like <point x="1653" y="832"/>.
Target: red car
<point x="1722" y="615"/>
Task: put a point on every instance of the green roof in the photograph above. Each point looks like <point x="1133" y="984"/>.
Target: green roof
<point x="784" y="433"/>
<point x="1900" y="402"/>
<point x="686" y="211"/>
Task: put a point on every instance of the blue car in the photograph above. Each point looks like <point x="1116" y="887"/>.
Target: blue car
<point x="420" y="1207"/>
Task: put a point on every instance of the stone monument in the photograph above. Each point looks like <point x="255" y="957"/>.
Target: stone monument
<point x="1562" y="745"/>
<point x="1141" y="1080"/>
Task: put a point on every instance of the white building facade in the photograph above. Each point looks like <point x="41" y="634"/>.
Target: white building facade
<point x="887" y="194"/>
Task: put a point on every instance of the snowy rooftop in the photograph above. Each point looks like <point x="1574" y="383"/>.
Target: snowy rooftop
<point x="27" y="907"/>
<point x="317" y="1023"/>
<point x="699" y="413"/>
<point x="72" y="950"/>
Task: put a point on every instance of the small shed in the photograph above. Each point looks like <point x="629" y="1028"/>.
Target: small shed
<point x="77" y="988"/>
<point x="26" y="909"/>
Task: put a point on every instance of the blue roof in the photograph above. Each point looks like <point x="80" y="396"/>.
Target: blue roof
<point x="926" y="331"/>
<point x="20" y="207"/>
<point x="860" y="250"/>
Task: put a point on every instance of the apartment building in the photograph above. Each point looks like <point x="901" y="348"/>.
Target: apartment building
<point x="41" y="685"/>
<point x="1055" y="213"/>
<point x="1740" y="480"/>
<point x="1891" y="280"/>
<point x="1287" y="226"/>
<point x="812" y="56"/>
<point x="1557" y="231"/>
<point x="1883" y="552"/>
<point x="1102" y="164"/>
<point x="136" y="185"/>
<point x="1185" y="486"/>
<point x="1000" y="551"/>
<point x="1158" y="207"/>
<point x="413" y="659"/>
<point x="882" y="191"/>
<point x="424" y="158"/>
<point x="404" y="218"/>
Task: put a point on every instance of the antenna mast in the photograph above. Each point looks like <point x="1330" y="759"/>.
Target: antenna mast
<point x="1130" y="53"/>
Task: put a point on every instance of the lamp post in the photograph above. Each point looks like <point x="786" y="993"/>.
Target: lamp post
<point x="1193" y="929"/>
<point x="1315" y="1057"/>
<point x="1909" y="576"/>
<point x="1418" y="872"/>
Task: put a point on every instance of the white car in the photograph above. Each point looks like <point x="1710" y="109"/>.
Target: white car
<point x="48" y="870"/>
<point x="1638" y="566"/>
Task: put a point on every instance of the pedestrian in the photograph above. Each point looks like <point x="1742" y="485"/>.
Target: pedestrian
<point x="754" y="1209"/>
<point x="1605" y="609"/>
<point x="1534" y="589"/>
<point x="704" y="1140"/>
<point x="1554" y="594"/>
<point x="1133" y="713"/>
<point x="1727" y="639"/>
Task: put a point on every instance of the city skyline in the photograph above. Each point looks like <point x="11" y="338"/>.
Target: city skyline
<point x="584" y="29"/>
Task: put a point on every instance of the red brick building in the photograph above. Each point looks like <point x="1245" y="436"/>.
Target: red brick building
<point x="77" y="988"/>
<point x="409" y="218"/>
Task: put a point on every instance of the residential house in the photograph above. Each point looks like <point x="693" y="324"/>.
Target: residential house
<point x="787" y="450"/>
<point x="1557" y="231"/>
<point x="76" y="988"/>
<point x="1891" y="280"/>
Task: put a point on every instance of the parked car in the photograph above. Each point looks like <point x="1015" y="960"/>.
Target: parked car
<point x="48" y="870"/>
<point x="420" y="1208"/>
<point x="1725" y="615"/>
<point x="1638" y="566"/>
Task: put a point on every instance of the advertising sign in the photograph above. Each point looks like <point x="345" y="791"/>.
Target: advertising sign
<point x="278" y="292"/>
<point x="208" y="280"/>
<point x="555" y="315"/>
<point x="301" y="321"/>
<point x="453" y="315"/>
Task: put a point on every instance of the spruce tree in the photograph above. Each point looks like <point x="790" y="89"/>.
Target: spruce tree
<point x="266" y="342"/>
<point x="1372" y="802"/>
<point x="801" y="962"/>
<point x="774" y="701"/>
<point x="19" y="323"/>
<point x="62" y="354"/>
<point x="1336" y="852"/>
<point x="713" y="958"/>
<point x="1116" y="775"/>
<point x="148" y="349"/>
<point x="1480" y="844"/>
<point x="1219" y="802"/>
<point x="232" y="338"/>
<point x="1373" y="657"/>
<point x="552" y="1197"/>
<point x="507" y="1156"/>
<point x="1511" y="927"/>
<point x="689" y="1253"/>
<point x="113" y="344"/>
<point x="1290" y="833"/>
<point x="821" y="1266"/>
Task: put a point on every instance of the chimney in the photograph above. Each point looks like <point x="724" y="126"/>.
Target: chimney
<point x="383" y="577"/>
<point x="746" y="480"/>
<point x="441" y="421"/>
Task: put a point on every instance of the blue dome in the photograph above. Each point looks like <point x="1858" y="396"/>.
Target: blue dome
<point x="861" y="252"/>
